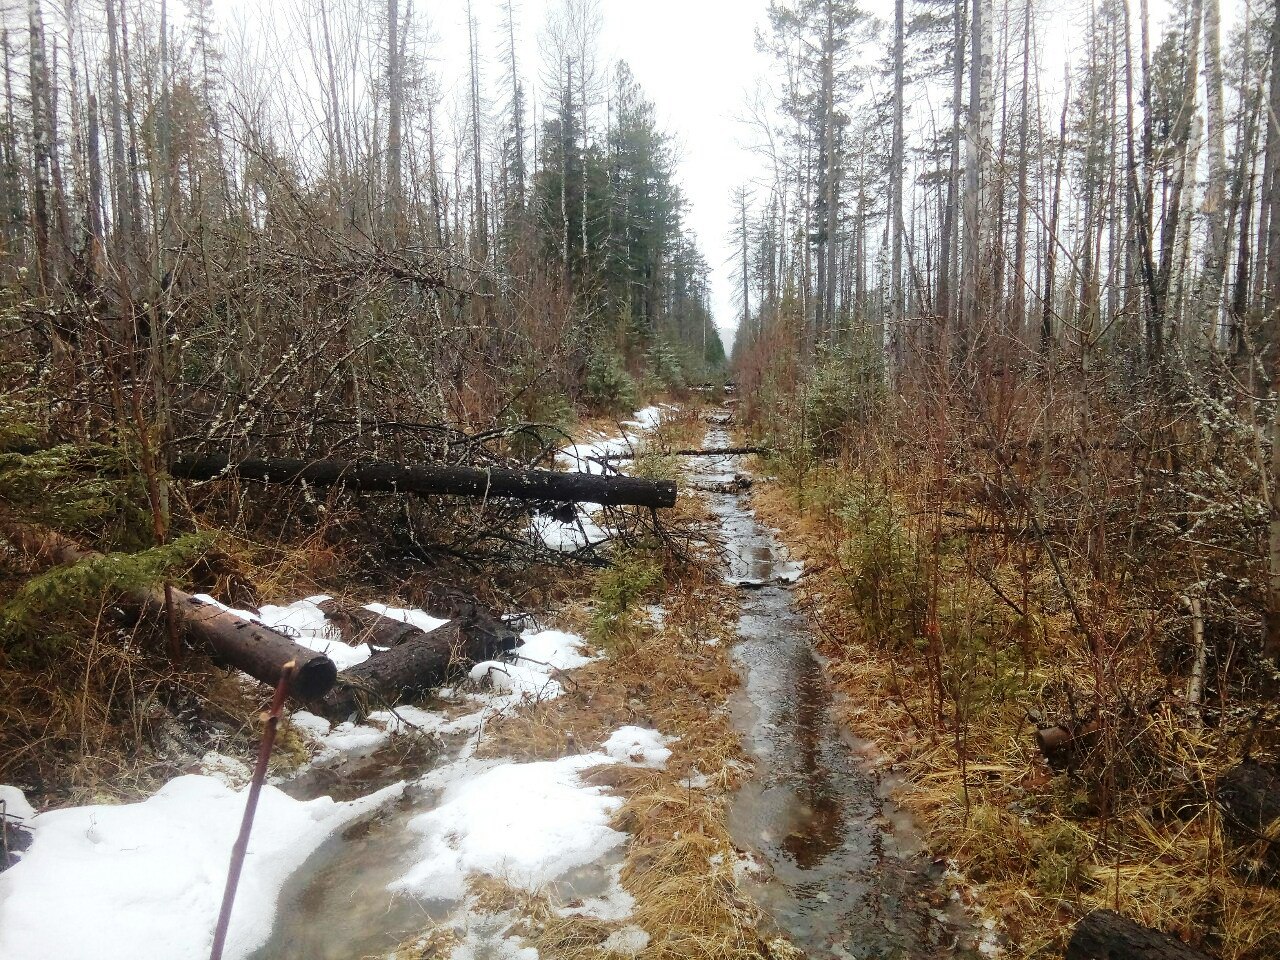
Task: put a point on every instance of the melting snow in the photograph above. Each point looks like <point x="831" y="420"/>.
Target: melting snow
<point x="143" y="881"/>
<point x="526" y="823"/>
<point x="15" y="805"/>
<point x="638" y="746"/>
<point x="590" y="456"/>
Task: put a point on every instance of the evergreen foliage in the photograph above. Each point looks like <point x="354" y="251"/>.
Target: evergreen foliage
<point x="32" y="620"/>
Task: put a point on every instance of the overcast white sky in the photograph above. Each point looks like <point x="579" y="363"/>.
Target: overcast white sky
<point x="696" y="60"/>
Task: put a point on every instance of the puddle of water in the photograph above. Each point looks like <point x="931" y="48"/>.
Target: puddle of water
<point x="840" y="873"/>
<point x="338" y="907"/>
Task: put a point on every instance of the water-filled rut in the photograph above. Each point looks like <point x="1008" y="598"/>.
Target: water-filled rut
<point x="841" y="873"/>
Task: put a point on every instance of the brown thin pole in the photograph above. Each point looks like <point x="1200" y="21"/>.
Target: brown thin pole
<point x="250" y="808"/>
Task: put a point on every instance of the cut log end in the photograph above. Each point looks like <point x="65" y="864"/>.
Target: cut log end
<point x="314" y="679"/>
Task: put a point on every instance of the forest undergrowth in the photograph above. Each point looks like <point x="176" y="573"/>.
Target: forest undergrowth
<point x="1041" y="555"/>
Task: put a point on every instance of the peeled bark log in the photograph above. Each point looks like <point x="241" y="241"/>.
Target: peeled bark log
<point x="1104" y="935"/>
<point x="435" y="479"/>
<point x="1249" y="796"/>
<point x="256" y="649"/>
<point x="418" y="662"/>
<point x="1064" y="745"/>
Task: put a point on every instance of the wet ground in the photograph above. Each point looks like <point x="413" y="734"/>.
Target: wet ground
<point x="841" y="873"/>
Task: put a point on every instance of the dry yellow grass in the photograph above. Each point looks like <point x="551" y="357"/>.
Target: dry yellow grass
<point x="1043" y="856"/>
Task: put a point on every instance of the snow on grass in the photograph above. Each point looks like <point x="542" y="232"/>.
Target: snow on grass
<point x="143" y="881"/>
<point x="639" y="747"/>
<point x="614" y="905"/>
<point x="525" y="823"/>
<point x="563" y="537"/>
<point x="14" y="805"/>
<point x="591" y="456"/>
<point x="529" y="677"/>
<point x="646" y="419"/>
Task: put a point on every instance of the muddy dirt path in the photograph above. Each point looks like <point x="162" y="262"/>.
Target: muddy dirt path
<point x="843" y="874"/>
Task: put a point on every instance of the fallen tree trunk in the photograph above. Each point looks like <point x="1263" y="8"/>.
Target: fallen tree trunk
<point x="1249" y="796"/>
<point x="252" y="647"/>
<point x="1104" y="935"/>
<point x="416" y="661"/>
<point x="360" y="625"/>
<point x="435" y="479"/>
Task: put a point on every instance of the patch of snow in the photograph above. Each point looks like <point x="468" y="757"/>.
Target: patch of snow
<point x="566" y="537"/>
<point x="590" y="456"/>
<point x="696" y="781"/>
<point x="553" y="648"/>
<point x="309" y="724"/>
<point x="639" y="747"/>
<point x="304" y="622"/>
<point x="594" y="456"/>
<point x="532" y="673"/>
<point x="15" y="803"/>
<point x="614" y="905"/>
<point x="485" y="936"/>
<point x="628" y="941"/>
<point x="657" y="615"/>
<point x="416" y="618"/>
<point x="525" y="823"/>
<point x="229" y="770"/>
<point x="646" y="419"/>
<point x="143" y="881"/>
<point x="350" y="740"/>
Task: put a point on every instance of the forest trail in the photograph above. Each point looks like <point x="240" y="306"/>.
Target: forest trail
<point x="836" y="869"/>
<point x="841" y="869"/>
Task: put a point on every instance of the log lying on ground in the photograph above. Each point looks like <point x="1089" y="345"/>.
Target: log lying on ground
<point x="1104" y="935"/>
<point x="1249" y="796"/>
<point x="435" y="479"/>
<point x="1064" y="745"/>
<point x="415" y="661"/>
<point x="256" y="649"/>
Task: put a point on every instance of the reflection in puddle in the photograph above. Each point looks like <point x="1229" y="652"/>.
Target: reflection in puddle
<point x="834" y="881"/>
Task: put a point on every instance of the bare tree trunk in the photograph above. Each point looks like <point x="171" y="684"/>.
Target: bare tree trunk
<point x="1051" y="241"/>
<point x="946" y="254"/>
<point x="970" y="283"/>
<point x="896" y="172"/>
<point x="395" y="107"/>
<point x="1215" y="252"/>
<point x="121" y="206"/>
<point x="1019" y="294"/>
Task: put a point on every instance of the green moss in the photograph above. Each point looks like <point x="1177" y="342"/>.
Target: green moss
<point x="35" y="619"/>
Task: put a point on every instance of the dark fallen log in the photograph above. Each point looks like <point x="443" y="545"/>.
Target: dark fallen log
<point x="360" y="625"/>
<point x="256" y="649"/>
<point x="434" y="479"/>
<point x="1065" y="745"/>
<point x="1104" y="935"/>
<point x="414" y="662"/>
<point x="1249" y="796"/>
